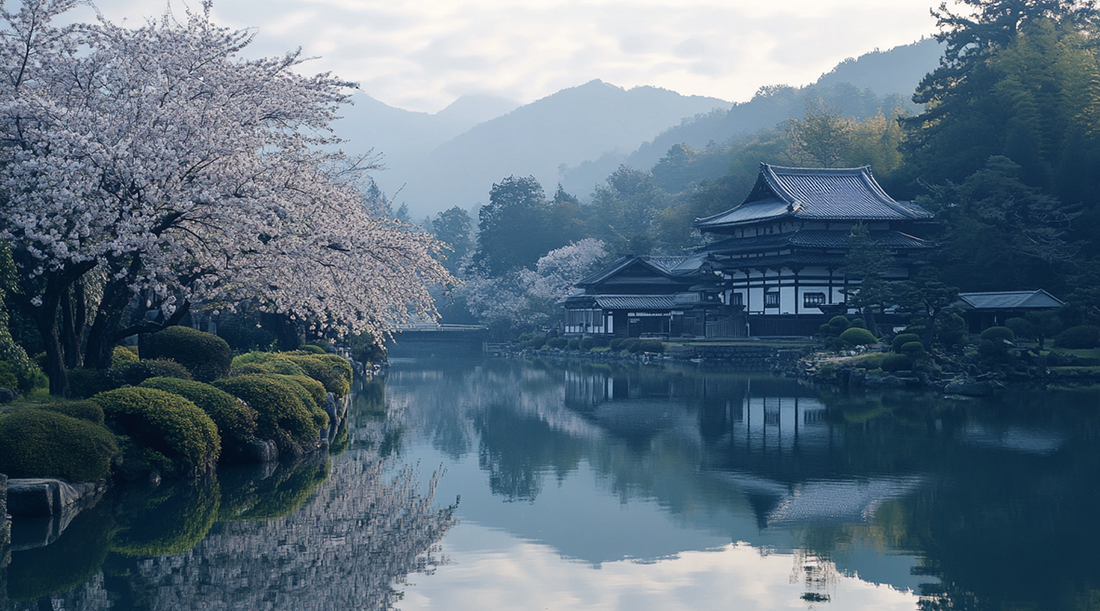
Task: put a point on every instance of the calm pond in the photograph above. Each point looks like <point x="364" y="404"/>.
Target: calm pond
<point x="503" y="484"/>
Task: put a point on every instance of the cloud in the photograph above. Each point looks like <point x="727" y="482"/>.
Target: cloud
<point x="422" y="54"/>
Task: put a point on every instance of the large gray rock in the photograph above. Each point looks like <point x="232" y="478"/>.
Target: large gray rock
<point x="44" y="497"/>
<point x="8" y="395"/>
<point x="261" y="450"/>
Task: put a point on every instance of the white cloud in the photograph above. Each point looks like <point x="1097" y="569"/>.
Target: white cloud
<point x="422" y="54"/>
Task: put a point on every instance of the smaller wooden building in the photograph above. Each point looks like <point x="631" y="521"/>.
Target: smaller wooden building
<point x="984" y="310"/>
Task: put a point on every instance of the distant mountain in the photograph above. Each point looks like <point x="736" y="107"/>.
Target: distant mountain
<point x="403" y="136"/>
<point x="858" y="87"/>
<point x="536" y="139"/>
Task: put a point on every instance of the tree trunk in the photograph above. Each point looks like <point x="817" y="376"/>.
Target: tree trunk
<point x="108" y="320"/>
<point x="72" y="325"/>
<point x="45" y="318"/>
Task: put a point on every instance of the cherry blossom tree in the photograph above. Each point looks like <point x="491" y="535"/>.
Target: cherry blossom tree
<point x="160" y="161"/>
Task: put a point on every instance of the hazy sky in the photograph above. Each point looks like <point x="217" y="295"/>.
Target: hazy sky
<point x="423" y="54"/>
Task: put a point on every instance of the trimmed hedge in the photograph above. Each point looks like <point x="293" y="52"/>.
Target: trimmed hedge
<point x="132" y="374"/>
<point x="81" y="410"/>
<point x="165" y="423"/>
<point x="858" y="337"/>
<point x="329" y="369"/>
<point x="997" y="334"/>
<point x="281" y="415"/>
<point x="297" y="385"/>
<point x="39" y="443"/>
<point x="913" y="349"/>
<point x="123" y="354"/>
<point x="236" y="421"/>
<point x="1084" y="336"/>
<point x="208" y="357"/>
<point x="903" y="338"/>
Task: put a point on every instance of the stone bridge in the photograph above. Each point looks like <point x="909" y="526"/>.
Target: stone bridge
<point x="429" y="340"/>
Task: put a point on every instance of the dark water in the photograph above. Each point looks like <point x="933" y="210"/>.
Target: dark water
<point x="512" y="485"/>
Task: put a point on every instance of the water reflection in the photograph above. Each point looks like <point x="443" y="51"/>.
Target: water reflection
<point x="980" y="504"/>
<point x="318" y="533"/>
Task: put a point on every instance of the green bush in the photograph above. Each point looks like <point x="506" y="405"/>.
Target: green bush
<point x="534" y="341"/>
<point x="329" y="369"/>
<point x="236" y="421"/>
<point x="124" y="354"/>
<point x="588" y="343"/>
<point x="838" y="324"/>
<point x="132" y="374"/>
<point x="857" y="323"/>
<point x="628" y="344"/>
<point x="901" y="339"/>
<point x="81" y="410"/>
<point x="912" y="349"/>
<point x="856" y="336"/>
<point x="558" y="343"/>
<point x="169" y="520"/>
<point x="208" y="357"/>
<point x="951" y="330"/>
<point x="648" y="345"/>
<point x="1021" y="327"/>
<point x="84" y="383"/>
<point x="165" y="423"/>
<point x="281" y="415"/>
<point x="7" y="376"/>
<point x="39" y="443"/>
<point x="895" y="362"/>
<point x="273" y="365"/>
<point x="999" y="334"/>
<point x="616" y="344"/>
<point x="573" y="344"/>
<point x="297" y="385"/>
<point x="312" y="348"/>
<point x="1073" y="338"/>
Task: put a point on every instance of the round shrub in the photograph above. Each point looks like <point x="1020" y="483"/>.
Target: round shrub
<point x="838" y="324"/>
<point x="558" y="343"/>
<point x="329" y="369"/>
<point x="316" y="390"/>
<point x="295" y="385"/>
<point x="273" y="365"/>
<point x="208" y="357"/>
<point x="1021" y="327"/>
<point x="912" y="349"/>
<point x="132" y="374"/>
<point x="951" y="330"/>
<point x="315" y="349"/>
<point x="236" y="421"/>
<point x="896" y="362"/>
<point x="165" y="423"/>
<point x="901" y="339"/>
<point x="628" y="344"/>
<point x="281" y="416"/>
<point x="7" y="376"/>
<point x="1084" y="336"/>
<point x="648" y="345"/>
<point x="999" y="334"/>
<point x="858" y="337"/>
<point x="588" y="343"/>
<point x="124" y="354"/>
<point x="81" y="410"/>
<point x="616" y="344"/>
<point x="857" y="322"/>
<point x="39" y="443"/>
<point x="573" y="344"/>
<point x="84" y="383"/>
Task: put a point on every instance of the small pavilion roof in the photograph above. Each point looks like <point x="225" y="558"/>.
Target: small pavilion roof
<point x="813" y="239"/>
<point x="815" y="194"/>
<point x="1008" y="300"/>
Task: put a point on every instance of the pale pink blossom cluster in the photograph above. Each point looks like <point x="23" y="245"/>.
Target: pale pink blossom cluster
<point x="161" y="155"/>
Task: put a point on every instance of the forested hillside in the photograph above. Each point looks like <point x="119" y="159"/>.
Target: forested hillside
<point x="1001" y="146"/>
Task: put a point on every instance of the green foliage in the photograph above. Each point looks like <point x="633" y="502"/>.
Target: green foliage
<point x="1021" y="327"/>
<point x="84" y="383"/>
<point x="82" y="410"/>
<point x="208" y="357"/>
<point x="896" y="362"/>
<point x="124" y="354"/>
<point x="557" y="343"/>
<point x="616" y="344"/>
<point x="913" y="349"/>
<point x="236" y="421"/>
<point x="1083" y="336"/>
<point x="281" y="415"/>
<point x="951" y="331"/>
<point x="312" y="348"/>
<point x="588" y="343"/>
<point x="7" y="376"/>
<point x="999" y="334"/>
<point x="169" y="520"/>
<point x="132" y="374"/>
<point x="39" y="443"/>
<point x="648" y="345"/>
<point x="573" y="344"/>
<point x="329" y="369"/>
<point x="306" y="389"/>
<point x="165" y="423"/>
<point x="903" y="338"/>
<point x="858" y="337"/>
<point x="515" y="228"/>
<point x="365" y="348"/>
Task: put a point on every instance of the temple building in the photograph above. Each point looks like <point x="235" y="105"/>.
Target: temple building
<point x="772" y="265"/>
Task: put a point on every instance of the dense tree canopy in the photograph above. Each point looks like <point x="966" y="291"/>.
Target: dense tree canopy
<point x="155" y="160"/>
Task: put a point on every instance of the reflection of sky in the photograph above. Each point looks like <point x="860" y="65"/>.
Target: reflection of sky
<point x="491" y="569"/>
<point x="1014" y="439"/>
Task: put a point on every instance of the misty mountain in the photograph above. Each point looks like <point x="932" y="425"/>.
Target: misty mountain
<point x="565" y="128"/>
<point x="856" y="87"/>
<point x="403" y="136"/>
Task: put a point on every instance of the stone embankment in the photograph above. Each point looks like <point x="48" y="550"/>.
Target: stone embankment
<point x="748" y="357"/>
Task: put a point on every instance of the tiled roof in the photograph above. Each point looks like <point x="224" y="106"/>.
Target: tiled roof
<point x="636" y="302"/>
<point x="1008" y="300"/>
<point x="815" y="194"/>
<point x="813" y="239"/>
<point x="666" y="266"/>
